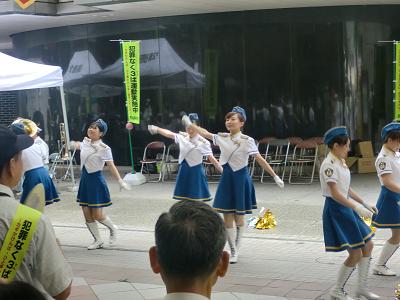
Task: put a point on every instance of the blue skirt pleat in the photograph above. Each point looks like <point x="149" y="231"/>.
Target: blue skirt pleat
<point x="93" y="191"/>
<point x="389" y="210"/>
<point x="191" y="183"/>
<point x="343" y="228"/>
<point x="36" y="176"/>
<point x="235" y="192"/>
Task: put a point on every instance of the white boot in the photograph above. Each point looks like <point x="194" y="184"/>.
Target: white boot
<point x="94" y="230"/>
<point x="380" y="267"/>
<point x="231" y="237"/>
<point x="113" y="229"/>
<point x="363" y="268"/>
<point x="239" y="234"/>
<point x="337" y="292"/>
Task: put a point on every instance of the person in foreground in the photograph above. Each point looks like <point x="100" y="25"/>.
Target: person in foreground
<point x="29" y="251"/>
<point x="343" y="227"/>
<point x="189" y="253"/>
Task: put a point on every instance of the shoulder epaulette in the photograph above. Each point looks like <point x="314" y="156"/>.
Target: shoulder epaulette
<point x="223" y="134"/>
<point x="245" y="137"/>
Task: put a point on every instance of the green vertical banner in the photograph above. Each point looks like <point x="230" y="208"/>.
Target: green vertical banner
<point x="211" y="88"/>
<point x="397" y="82"/>
<point x="131" y="64"/>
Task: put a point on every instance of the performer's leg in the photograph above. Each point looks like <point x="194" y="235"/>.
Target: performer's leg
<point x="389" y="248"/>
<point x="106" y="221"/>
<point x="363" y="268"/>
<point x="337" y="292"/>
<point x="231" y="237"/>
<point x="240" y="228"/>
<point x="93" y="228"/>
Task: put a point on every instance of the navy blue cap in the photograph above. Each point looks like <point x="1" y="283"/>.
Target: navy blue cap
<point x="388" y="128"/>
<point x="17" y="128"/>
<point x="194" y="117"/>
<point x="11" y="143"/>
<point x="239" y="110"/>
<point x="102" y="126"/>
<point x="334" y="132"/>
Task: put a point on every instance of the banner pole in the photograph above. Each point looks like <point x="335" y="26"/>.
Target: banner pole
<point x="126" y="106"/>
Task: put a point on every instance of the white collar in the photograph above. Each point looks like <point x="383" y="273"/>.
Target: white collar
<point x="6" y="190"/>
<point x="185" y="296"/>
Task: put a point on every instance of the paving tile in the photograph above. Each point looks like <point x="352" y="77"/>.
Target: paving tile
<point x="84" y="297"/>
<point x="126" y="295"/>
<point x="81" y="291"/>
<point x="107" y="288"/>
<point x="304" y="294"/>
<point x="146" y="286"/>
<point x="79" y="281"/>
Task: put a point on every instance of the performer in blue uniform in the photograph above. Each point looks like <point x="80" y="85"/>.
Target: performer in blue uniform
<point x="33" y="159"/>
<point x="93" y="193"/>
<point x="235" y="194"/>
<point x="343" y="227"/>
<point x="388" y="168"/>
<point x="191" y="182"/>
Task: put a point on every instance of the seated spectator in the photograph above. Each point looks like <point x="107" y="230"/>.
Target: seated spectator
<point x="43" y="264"/>
<point x="189" y="253"/>
<point x="18" y="290"/>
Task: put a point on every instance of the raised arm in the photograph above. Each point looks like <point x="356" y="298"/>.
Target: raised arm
<point x="203" y="132"/>
<point x="158" y="130"/>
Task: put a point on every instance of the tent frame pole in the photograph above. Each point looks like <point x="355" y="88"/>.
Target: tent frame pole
<point x="68" y="141"/>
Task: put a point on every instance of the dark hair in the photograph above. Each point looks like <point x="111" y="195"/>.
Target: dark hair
<point x="340" y="139"/>
<point x="5" y="165"/>
<point x="231" y="113"/>
<point x="394" y="135"/>
<point x="190" y="239"/>
<point x="19" y="290"/>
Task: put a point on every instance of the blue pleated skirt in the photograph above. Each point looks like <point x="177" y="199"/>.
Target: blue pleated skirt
<point x="36" y="176"/>
<point x="235" y="192"/>
<point x="343" y="227"/>
<point x="93" y="191"/>
<point x="389" y="210"/>
<point x="191" y="183"/>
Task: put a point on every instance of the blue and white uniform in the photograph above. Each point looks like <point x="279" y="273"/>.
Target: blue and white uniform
<point x="93" y="191"/>
<point x="343" y="227"/>
<point x="235" y="192"/>
<point x="35" y="173"/>
<point x="191" y="182"/>
<point x="388" y="162"/>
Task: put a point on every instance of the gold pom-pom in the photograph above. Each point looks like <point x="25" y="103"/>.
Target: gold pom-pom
<point x="397" y="292"/>
<point x="368" y="221"/>
<point x="267" y="221"/>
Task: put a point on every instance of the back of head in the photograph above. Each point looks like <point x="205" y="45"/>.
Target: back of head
<point x="190" y="239"/>
<point x="18" y="290"/>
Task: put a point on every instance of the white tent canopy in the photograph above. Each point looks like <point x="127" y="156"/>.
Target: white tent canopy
<point x="18" y="74"/>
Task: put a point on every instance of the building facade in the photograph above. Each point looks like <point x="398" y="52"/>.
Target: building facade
<point x="296" y="71"/>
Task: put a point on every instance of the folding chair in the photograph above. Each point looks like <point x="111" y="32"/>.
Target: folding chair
<point x="153" y="161"/>
<point x="255" y="169"/>
<point x="277" y="156"/>
<point x="171" y="162"/>
<point x="303" y="163"/>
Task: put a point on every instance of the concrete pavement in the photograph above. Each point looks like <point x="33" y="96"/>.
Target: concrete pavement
<point x="288" y="262"/>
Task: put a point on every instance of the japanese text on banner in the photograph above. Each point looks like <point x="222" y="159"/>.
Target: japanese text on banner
<point x="131" y="63"/>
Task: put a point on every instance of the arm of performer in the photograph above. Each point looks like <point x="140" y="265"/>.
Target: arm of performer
<point x="388" y="182"/>
<point x="75" y="145"/>
<point x="265" y="165"/>
<point x="353" y="195"/>
<point x="116" y="175"/>
<point x="158" y="130"/>
<point x="203" y="132"/>
<point x="215" y="162"/>
<point x="355" y="205"/>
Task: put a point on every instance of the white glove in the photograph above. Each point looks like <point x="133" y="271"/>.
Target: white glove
<point x="152" y="129"/>
<point x="370" y="207"/>
<point x="279" y="181"/>
<point x="362" y="211"/>
<point x="186" y="121"/>
<point x="124" y="185"/>
<point x="73" y="145"/>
